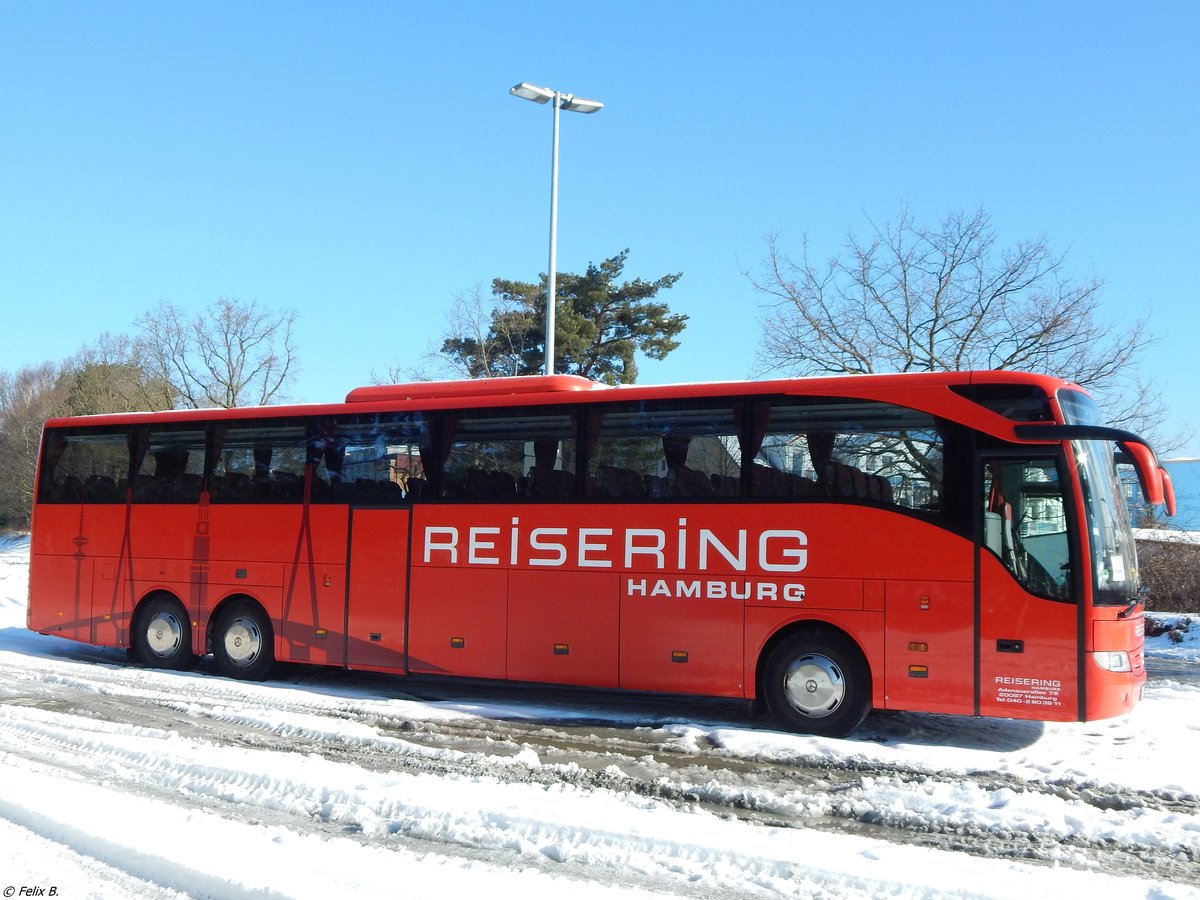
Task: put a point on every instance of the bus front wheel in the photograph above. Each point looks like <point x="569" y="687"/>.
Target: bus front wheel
<point x="243" y="642"/>
<point x="162" y="634"/>
<point x="817" y="682"/>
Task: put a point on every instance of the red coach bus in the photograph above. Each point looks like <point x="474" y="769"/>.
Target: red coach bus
<point x="953" y="543"/>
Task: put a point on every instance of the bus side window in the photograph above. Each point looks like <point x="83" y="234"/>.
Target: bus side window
<point x="510" y="454"/>
<point x="259" y="462"/>
<point x="168" y="465"/>
<point x="676" y="450"/>
<point x="846" y="449"/>
<point x="370" y="460"/>
<point x="88" y="466"/>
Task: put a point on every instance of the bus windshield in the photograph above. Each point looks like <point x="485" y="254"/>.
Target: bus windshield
<point x="1114" y="556"/>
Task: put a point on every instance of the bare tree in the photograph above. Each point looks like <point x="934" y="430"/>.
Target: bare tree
<point x="470" y="327"/>
<point x="27" y="399"/>
<point x="487" y="337"/>
<point x="232" y="354"/>
<point x="916" y="298"/>
<point x="111" y="376"/>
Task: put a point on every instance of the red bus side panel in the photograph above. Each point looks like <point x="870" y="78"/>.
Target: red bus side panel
<point x="377" y="595"/>
<point x="930" y="636"/>
<point x="562" y="627"/>
<point x="457" y="622"/>
<point x="695" y="647"/>
<point x="73" y="545"/>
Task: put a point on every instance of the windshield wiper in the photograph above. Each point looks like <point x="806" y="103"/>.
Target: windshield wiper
<point x="1131" y="603"/>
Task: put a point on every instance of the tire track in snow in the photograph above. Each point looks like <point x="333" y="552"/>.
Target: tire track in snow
<point x="673" y="765"/>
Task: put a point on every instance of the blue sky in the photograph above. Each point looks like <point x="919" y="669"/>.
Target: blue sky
<point x="362" y="163"/>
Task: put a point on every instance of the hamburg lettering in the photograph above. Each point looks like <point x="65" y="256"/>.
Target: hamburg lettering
<point x="684" y="588"/>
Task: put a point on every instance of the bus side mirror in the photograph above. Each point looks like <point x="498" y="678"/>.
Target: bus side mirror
<point x="1168" y="490"/>
<point x="1149" y="473"/>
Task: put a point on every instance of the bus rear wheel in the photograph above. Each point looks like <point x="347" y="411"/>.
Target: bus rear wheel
<point x="162" y="634"/>
<point x="243" y="642"/>
<point x="817" y="682"/>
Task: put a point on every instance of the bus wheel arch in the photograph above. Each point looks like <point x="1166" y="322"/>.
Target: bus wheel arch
<point x="815" y="679"/>
<point x="160" y="632"/>
<point x="242" y="639"/>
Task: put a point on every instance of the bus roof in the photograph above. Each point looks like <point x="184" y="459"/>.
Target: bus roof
<point x="928" y="391"/>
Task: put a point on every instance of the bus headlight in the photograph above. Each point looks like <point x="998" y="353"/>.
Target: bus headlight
<point x="1113" y="660"/>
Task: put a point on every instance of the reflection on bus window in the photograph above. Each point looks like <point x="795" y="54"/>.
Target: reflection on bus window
<point x="85" y="466"/>
<point x="168" y="465"/>
<point x="509" y="455"/>
<point x="664" y="451"/>
<point x="842" y="449"/>
<point x="258" y="462"/>
<point x="373" y="459"/>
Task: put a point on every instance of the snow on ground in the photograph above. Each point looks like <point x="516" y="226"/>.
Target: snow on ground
<point x="169" y="805"/>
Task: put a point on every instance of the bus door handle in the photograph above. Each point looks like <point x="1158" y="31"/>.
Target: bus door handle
<point x="1004" y="645"/>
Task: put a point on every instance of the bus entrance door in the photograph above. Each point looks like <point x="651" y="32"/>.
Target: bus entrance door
<point x="377" y="589"/>
<point x="1028" y="617"/>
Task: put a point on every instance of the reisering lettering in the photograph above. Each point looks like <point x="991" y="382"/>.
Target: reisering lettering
<point x="701" y="549"/>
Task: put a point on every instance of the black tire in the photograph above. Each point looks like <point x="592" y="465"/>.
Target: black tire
<point x="162" y="634"/>
<point x="817" y="682"/>
<point x="243" y="642"/>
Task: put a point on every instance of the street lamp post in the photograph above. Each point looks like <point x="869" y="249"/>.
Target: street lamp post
<point x="571" y="103"/>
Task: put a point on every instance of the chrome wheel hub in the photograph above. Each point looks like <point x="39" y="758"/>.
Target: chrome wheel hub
<point x="243" y="641"/>
<point x="164" y="634"/>
<point x="814" y="685"/>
